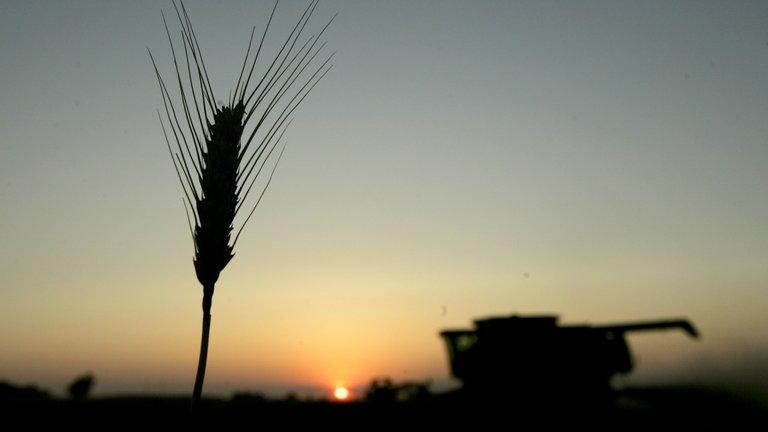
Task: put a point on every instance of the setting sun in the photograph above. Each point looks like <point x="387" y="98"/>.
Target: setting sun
<point x="341" y="393"/>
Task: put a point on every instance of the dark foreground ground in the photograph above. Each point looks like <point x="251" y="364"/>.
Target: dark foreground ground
<point x="650" y="409"/>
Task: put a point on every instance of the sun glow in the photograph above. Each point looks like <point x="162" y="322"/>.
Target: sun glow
<point x="341" y="393"/>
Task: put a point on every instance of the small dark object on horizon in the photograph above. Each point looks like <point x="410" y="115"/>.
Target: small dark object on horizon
<point x="81" y="387"/>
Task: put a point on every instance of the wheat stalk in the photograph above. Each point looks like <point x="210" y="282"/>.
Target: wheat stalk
<point x="220" y="150"/>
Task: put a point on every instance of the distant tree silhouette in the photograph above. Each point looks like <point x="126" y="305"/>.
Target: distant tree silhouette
<point x="381" y="391"/>
<point x="386" y="391"/>
<point x="217" y="158"/>
<point x="11" y="392"/>
<point x="292" y="397"/>
<point x="81" y="386"/>
<point x="248" y="397"/>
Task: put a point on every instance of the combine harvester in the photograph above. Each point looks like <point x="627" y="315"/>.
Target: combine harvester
<point x="532" y="358"/>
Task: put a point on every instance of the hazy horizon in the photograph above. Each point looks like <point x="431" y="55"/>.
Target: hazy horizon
<point x="605" y="161"/>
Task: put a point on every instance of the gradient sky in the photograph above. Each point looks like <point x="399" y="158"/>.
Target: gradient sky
<point x="607" y="161"/>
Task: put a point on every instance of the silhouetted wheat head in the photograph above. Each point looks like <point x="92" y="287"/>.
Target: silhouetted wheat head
<point x="220" y="150"/>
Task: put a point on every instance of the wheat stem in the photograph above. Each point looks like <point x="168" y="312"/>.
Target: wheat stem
<point x="203" y="359"/>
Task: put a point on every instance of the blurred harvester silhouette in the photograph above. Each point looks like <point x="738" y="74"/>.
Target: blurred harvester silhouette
<point x="217" y="154"/>
<point x="534" y="358"/>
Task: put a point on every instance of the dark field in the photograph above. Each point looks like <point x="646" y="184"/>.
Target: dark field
<point x="665" y="409"/>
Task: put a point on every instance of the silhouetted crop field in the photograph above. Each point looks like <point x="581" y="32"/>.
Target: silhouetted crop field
<point x="663" y="408"/>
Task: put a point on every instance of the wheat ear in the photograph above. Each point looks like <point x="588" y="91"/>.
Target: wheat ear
<point x="220" y="150"/>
